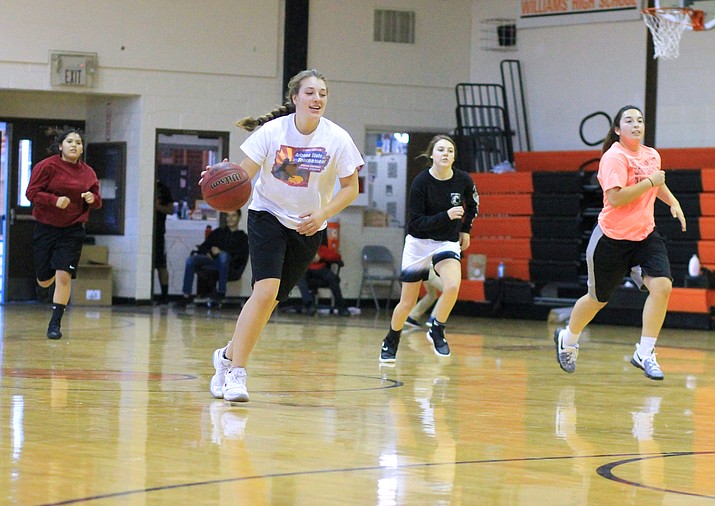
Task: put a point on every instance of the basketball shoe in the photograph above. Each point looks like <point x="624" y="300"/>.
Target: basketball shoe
<point x="388" y="353"/>
<point x="648" y="363"/>
<point x="565" y="355"/>
<point x="234" y="388"/>
<point x="436" y="336"/>
<point x="222" y="366"/>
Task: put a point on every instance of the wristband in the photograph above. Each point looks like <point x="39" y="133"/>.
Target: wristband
<point x="651" y="182"/>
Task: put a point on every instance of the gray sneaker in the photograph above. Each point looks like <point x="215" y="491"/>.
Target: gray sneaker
<point x="648" y="363"/>
<point x="565" y="355"/>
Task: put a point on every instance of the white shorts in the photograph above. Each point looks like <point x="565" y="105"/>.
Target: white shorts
<point x="419" y="254"/>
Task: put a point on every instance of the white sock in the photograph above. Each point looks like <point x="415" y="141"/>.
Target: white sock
<point x="568" y="338"/>
<point x="646" y="346"/>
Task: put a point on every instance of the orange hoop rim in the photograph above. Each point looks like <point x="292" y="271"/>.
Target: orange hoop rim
<point x="697" y="17"/>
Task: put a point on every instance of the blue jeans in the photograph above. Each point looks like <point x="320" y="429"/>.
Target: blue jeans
<point x="204" y="262"/>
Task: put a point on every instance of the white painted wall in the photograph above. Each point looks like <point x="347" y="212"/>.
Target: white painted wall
<point x="573" y="70"/>
<point x="168" y="64"/>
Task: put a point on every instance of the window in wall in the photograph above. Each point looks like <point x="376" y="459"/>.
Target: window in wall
<point x="24" y="169"/>
<point x="394" y="26"/>
<point x="109" y="161"/>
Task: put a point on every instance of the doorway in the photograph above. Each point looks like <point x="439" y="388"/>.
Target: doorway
<point x="392" y="163"/>
<point x="181" y="156"/>
<point x="25" y="142"/>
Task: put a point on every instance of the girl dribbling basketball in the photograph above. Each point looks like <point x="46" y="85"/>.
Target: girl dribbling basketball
<point x="297" y="155"/>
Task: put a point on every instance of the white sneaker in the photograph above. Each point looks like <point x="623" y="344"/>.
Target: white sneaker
<point x="222" y="366"/>
<point x="234" y="388"/>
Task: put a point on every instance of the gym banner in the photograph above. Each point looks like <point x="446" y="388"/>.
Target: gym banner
<point x="567" y="12"/>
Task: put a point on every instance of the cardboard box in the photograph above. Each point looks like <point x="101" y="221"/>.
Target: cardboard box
<point x="92" y="254"/>
<point x="374" y="218"/>
<point x="93" y="286"/>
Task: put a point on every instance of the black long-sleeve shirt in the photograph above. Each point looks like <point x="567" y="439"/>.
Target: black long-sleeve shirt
<point x="233" y="243"/>
<point x="430" y="199"/>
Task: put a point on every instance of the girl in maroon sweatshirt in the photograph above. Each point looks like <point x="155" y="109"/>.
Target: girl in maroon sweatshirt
<point x="62" y="190"/>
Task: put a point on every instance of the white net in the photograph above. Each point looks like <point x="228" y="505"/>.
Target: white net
<point x="666" y="26"/>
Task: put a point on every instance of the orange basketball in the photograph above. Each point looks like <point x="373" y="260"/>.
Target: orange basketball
<point x="226" y="187"/>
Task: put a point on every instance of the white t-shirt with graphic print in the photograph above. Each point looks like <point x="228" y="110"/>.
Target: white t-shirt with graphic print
<point x="298" y="172"/>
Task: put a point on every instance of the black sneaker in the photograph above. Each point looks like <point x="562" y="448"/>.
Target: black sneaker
<point x="388" y="353"/>
<point x="436" y="336"/>
<point x="53" y="331"/>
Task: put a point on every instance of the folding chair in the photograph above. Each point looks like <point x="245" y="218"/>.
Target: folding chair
<point x="378" y="268"/>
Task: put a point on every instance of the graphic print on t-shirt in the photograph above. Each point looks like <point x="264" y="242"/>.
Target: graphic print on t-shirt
<point x="455" y="199"/>
<point x="642" y="168"/>
<point x="294" y="165"/>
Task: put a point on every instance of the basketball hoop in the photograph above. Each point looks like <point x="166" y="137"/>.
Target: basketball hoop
<point x="666" y="25"/>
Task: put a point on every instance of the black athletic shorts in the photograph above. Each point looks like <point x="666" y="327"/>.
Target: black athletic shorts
<point x="610" y="260"/>
<point x="279" y="252"/>
<point x="57" y="249"/>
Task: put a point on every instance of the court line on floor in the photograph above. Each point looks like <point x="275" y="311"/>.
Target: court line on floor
<point x="605" y="467"/>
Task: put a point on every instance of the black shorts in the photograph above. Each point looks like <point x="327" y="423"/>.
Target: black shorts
<point x="610" y="260"/>
<point x="57" y="249"/>
<point x="279" y="252"/>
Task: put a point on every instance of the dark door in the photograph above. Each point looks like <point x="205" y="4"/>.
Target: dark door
<point x="28" y="141"/>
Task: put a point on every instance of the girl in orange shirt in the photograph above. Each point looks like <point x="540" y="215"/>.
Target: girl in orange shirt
<point x="625" y="240"/>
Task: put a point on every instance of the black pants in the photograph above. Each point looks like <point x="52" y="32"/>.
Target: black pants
<point x="324" y="277"/>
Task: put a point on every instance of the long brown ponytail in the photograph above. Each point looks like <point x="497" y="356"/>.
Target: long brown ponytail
<point x="249" y="123"/>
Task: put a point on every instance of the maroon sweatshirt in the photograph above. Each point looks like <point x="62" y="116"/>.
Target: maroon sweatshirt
<point x="53" y="178"/>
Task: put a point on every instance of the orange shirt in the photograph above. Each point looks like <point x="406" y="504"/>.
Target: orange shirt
<point x="621" y="167"/>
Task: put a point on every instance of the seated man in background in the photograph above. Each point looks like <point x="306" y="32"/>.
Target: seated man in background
<point x="225" y="251"/>
<point x="321" y="274"/>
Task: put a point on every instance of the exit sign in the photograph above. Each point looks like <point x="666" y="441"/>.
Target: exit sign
<point x="73" y="69"/>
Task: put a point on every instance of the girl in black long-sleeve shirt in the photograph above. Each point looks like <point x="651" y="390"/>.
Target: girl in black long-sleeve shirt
<point x="443" y="204"/>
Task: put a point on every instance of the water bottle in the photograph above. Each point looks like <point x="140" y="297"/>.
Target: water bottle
<point x="500" y="269"/>
<point x="184" y="210"/>
<point x="694" y="266"/>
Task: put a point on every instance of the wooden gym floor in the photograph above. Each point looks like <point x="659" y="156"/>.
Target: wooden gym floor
<point x="118" y="413"/>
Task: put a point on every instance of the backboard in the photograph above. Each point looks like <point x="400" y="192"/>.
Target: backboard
<point x="707" y="6"/>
